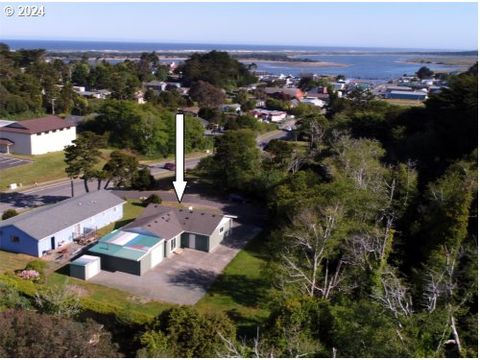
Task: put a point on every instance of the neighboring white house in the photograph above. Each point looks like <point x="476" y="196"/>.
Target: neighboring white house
<point x="314" y="101"/>
<point x="231" y="108"/>
<point x="269" y="115"/>
<point x="96" y="94"/>
<point x="37" y="136"/>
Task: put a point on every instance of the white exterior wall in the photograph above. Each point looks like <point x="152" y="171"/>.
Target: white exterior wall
<point x="217" y="237"/>
<point x="53" y="140"/>
<point x="23" y="144"/>
<point x="156" y="256"/>
<point x="95" y="222"/>
<point x="92" y="268"/>
<point x="169" y="245"/>
<point x="33" y="144"/>
<point x="277" y="118"/>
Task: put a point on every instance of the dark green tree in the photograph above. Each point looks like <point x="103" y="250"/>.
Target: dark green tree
<point x="424" y="73"/>
<point x="83" y="156"/>
<point x="184" y="332"/>
<point x="206" y="95"/>
<point x="9" y="213"/>
<point x="236" y="159"/>
<point x="59" y="337"/>
<point x="121" y="168"/>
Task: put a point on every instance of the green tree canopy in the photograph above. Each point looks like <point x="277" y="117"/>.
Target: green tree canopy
<point x="216" y="67"/>
<point x="26" y="333"/>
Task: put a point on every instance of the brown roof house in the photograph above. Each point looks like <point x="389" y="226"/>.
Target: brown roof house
<point x="285" y="92"/>
<point x="36" y="136"/>
<point x="156" y="234"/>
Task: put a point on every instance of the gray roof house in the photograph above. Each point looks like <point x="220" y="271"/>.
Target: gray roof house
<point x="157" y="233"/>
<point x="40" y="230"/>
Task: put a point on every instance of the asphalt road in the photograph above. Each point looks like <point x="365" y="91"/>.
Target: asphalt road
<point x="61" y="190"/>
<point x="7" y="161"/>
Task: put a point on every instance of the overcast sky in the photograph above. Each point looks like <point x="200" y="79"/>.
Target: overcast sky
<point x="404" y="25"/>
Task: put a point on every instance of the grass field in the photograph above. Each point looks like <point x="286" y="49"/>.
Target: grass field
<point x="241" y="289"/>
<point x="47" y="167"/>
<point x="43" y="168"/>
<point x="405" y="102"/>
<point x="104" y="299"/>
<point x="10" y="261"/>
<point x="51" y="166"/>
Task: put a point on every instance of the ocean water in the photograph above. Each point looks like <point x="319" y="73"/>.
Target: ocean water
<point x="366" y="66"/>
<point x="361" y="63"/>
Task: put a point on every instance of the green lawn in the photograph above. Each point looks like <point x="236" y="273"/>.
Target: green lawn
<point x="44" y="168"/>
<point x="105" y="300"/>
<point x="405" y="102"/>
<point x="241" y="289"/>
<point x="51" y="166"/>
<point x="11" y="261"/>
<point x="97" y="298"/>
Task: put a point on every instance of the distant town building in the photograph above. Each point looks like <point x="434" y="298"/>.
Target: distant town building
<point x="313" y="100"/>
<point x="231" y="108"/>
<point x="95" y="94"/>
<point x="407" y="95"/>
<point x="36" y="136"/>
<point x="156" y="86"/>
<point x="291" y="92"/>
<point x="391" y="88"/>
<point x="269" y="115"/>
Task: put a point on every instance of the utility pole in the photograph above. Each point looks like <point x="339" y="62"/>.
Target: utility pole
<point x="53" y="106"/>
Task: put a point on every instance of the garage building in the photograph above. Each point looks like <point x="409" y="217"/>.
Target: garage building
<point x="156" y="234"/>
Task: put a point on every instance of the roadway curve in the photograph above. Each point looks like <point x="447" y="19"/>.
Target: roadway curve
<point x="60" y="190"/>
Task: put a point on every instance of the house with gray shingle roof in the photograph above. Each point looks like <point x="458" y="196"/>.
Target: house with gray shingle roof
<point x="46" y="228"/>
<point x="156" y="234"/>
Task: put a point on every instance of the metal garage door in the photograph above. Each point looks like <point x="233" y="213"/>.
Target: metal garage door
<point x="201" y="242"/>
<point x="184" y="240"/>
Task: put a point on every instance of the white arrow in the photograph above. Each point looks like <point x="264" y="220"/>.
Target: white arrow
<point x="179" y="184"/>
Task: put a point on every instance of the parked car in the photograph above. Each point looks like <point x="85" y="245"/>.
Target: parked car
<point x="169" y="166"/>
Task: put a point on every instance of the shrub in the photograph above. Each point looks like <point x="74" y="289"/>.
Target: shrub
<point x="9" y="213"/>
<point x="29" y="275"/>
<point x="39" y="266"/>
<point x="185" y="332"/>
<point x="144" y="180"/>
<point x="30" y="334"/>
<point x="152" y="199"/>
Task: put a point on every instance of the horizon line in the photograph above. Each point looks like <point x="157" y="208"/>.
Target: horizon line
<point x="179" y="42"/>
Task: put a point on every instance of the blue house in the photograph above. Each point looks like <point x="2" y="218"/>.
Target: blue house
<point x="406" y="95"/>
<point x="46" y="228"/>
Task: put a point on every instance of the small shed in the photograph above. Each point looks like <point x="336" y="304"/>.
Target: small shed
<point x="85" y="267"/>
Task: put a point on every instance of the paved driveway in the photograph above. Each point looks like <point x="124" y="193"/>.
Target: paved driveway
<point x="184" y="278"/>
